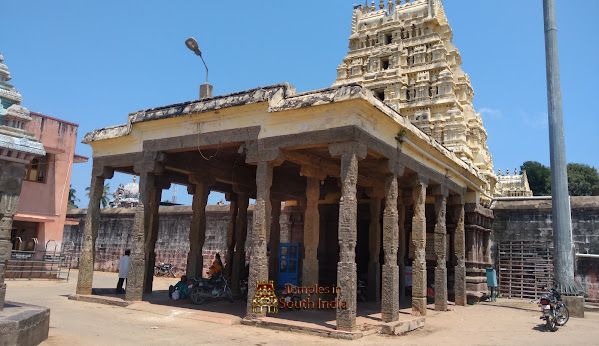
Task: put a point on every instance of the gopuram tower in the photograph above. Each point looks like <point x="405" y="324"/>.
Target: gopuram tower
<point x="403" y="53"/>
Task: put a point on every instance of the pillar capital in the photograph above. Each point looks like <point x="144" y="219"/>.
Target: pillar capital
<point x="151" y="167"/>
<point x="313" y="172"/>
<point x="457" y="199"/>
<point x="254" y="154"/>
<point x="102" y="172"/>
<point x="440" y="190"/>
<point x="162" y="183"/>
<point x="198" y="179"/>
<point x="416" y="180"/>
<point x="358" y="149"/>
<point x="387" y="166"/>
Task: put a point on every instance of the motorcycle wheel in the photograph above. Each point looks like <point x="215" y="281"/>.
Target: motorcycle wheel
<point x="172" y="272"/>
<point x="196" y="295"/>
<point x="551" y="324"/>
<point x="563" y="314"/>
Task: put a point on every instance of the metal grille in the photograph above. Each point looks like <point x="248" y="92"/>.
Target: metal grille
<point x="45" y="264"/>
<point x="525" y="268"/>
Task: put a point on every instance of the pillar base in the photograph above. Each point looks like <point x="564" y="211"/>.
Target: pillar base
<point x="575" y="305"/>
<point x="22" y="324"/>
<point x="419" y="306"/>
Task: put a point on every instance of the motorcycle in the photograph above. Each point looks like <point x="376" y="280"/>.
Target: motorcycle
<point x="289" y="296"/>
<point x="164" y="269"/>
<point x="214" y="288"/>
<point x="555" y="313"/>
<point x="243" y="287"/>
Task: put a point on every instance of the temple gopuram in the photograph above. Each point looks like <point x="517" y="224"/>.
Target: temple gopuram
<point x="391" y="160"/>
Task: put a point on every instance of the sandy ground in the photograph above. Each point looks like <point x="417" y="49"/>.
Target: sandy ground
<point x="74" y="322"/>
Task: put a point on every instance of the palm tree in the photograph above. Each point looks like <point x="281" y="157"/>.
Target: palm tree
<point x="105" y="193"/>
<point x="72" y="198"/>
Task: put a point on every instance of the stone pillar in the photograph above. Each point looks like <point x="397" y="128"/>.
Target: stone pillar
<point x="350" y="153"/>
<point x="401" y="254"/>
<point x="153" y="235"/>
<point x="90" y="232"/>
<point x="274" y="241"/>
<point x="419" y="241"/>
<point x="141" y="230"/>
<point x="374" y="247"/>
<point x="147" y="169"/>
<point x="197" y="230"/>
<point x="310" y="269"/>
<point x="241" y="228"/>
<point x="11" y="176"/>
<point x="390" y="288"/>
<point x="262" y="213"/>
<point x="232" y="198"/>
<point x="441" y="193"/>
<point x="459" y="246"/>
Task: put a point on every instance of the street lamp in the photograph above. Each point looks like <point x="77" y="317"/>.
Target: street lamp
<point x="206" y="88"/>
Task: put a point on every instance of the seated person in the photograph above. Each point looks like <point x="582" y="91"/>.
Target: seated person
<point x="180" y="290"/>
<point x="216" y="267"/>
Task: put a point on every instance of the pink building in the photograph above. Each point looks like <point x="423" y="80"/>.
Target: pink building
<point x="45" y="190"/>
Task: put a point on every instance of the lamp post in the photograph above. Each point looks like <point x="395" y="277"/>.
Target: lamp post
<point x="562" y="232"/>
<point x="206" y="88"/>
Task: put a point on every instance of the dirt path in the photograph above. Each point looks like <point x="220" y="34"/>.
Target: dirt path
<point x="73" y="322"/>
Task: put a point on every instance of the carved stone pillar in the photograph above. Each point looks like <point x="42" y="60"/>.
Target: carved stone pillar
<point x="310" y="270"/>
<point x="401" y="236"/>
<point x="241" y="229"/>
<point x="11" y="176"/>
<point x="390" y="288"/>
<point x="262" y="213"/>
<point x="147" y="169"/>
<point x="90" y="232"/>
<point x="419" y="241"/>
<point x="274" y="241"/>
<point x="197" y="231"/>
<point x="231" y="235"/>
<point x="459" y="246"/>
<point x="441" y="194"/>
<point x="374" y="247"/>
<point x="153" y="234"/>
<point x="350" y="153"/>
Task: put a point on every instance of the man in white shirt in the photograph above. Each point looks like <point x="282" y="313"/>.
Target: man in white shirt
<point x="123" y="271"/>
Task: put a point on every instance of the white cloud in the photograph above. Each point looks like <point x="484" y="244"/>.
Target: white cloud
<point x="491" y="112"/>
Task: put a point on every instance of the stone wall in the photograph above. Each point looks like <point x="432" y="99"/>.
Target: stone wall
<point x="530" y="219"/>
<point x="172" y="246"/>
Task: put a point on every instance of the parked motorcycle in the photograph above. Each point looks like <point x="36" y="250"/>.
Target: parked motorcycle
<point x="288" y="294"/>
<point x="214" y="288"/>
<point x="555" y="313"/>
<point x="243" y="287"/>
<point x="164" y="269"/>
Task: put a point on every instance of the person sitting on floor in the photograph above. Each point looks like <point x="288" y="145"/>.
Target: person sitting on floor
<point x="180" y="290"/>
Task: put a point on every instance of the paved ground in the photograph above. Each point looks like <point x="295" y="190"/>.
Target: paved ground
<point x="74" y="322"/>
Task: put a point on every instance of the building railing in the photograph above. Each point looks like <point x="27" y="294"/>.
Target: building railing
<point x="50" y="263"/>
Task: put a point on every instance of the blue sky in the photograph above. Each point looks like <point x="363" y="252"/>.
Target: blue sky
<point x="93" y="62"/>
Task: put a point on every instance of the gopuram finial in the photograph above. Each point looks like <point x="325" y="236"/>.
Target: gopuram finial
<point x="372" y="8"/>
<point x="397" y="2"/>
<point x="515" y="171"/>
<point x="499" y="172"/>
<point x="382" y="4"/>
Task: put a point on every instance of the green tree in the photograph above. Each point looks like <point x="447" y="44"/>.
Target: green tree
<point x="72" y="198"/>
<point x="583" y="180"/>
<point x="539" y="177"/>
<point x="105" y="193"/>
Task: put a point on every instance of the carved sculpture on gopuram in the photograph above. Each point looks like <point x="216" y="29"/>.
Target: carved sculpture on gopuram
<point x="412" y="65"/>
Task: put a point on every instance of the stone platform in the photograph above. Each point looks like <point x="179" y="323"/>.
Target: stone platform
<point x="23" y="324"/>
